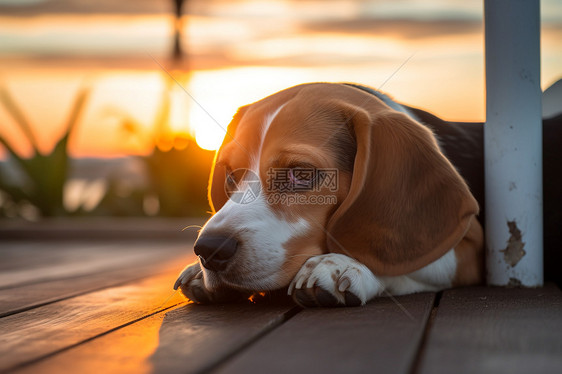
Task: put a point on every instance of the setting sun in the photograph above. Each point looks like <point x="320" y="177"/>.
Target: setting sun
<point x="217" y="95"/>
<point x="208" y="139"/>
<point x="208" y="122"/>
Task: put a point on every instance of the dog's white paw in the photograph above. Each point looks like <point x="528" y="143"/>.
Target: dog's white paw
<point x="191" y="283"/>
<point x="334" y="280"/>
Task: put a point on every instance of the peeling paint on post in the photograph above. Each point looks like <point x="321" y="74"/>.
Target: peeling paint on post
<point x="514" y="251"/>
<point x="513" y="143"/>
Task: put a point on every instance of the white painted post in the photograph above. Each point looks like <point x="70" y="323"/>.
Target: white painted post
<point x="513" y="143"/>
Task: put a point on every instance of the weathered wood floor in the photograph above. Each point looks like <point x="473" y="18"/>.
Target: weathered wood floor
<point x="103" y="306"/>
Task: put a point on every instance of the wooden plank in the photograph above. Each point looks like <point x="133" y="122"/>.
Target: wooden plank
<point x="19" y="299"/>
<point x="496" y="330"/>
<point x="43" y="331"/>
<point x="101" y="228"/>
<point x="379" y="337"/>
<point x="30" y="254"/>
<point x="188" y="339"/>
<point x="65" y="260"/>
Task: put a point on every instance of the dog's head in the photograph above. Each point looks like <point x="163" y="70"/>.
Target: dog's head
<point x="323" y="168"/>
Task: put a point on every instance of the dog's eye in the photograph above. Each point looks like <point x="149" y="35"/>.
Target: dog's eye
<point x="302" y="178"/>
<point x="294" y="178"/>
<point x="230" y="179"/>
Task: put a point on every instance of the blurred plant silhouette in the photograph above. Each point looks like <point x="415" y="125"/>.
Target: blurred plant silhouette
<point x="45" y="174"/>
<point x="179" y="177"/>
<point x="177" y="168"/>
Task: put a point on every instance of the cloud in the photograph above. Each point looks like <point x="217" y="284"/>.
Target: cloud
<point x="39" y="7"/>
<point x="402" y="28"/>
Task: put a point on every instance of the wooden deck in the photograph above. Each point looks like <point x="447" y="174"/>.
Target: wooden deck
<point x="95" y="300"/>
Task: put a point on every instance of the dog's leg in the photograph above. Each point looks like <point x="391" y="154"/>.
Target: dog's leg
<point x="338" y="280"/>
<point x="334" y="279"/>
<point x="190" y="281"/>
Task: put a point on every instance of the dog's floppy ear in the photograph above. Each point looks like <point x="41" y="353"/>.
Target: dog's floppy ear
<point x="407" y="205"/>
<point x="216" y="192"/>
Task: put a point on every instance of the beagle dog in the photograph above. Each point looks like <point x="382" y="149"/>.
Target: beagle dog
<point x="338" y="194"/>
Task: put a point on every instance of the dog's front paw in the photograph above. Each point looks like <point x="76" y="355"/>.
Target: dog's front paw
<point x="193" y="287"/>
<point x="334" y="280"/>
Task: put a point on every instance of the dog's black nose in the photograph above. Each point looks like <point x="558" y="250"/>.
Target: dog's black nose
<point x="215" y="251"/>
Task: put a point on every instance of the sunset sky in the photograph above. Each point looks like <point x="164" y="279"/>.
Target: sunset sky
<point x="426" y="53"/>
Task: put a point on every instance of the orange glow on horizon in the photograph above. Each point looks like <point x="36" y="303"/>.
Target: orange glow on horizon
<point x="119" y="117"/>
<point x="235" y="53"/>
